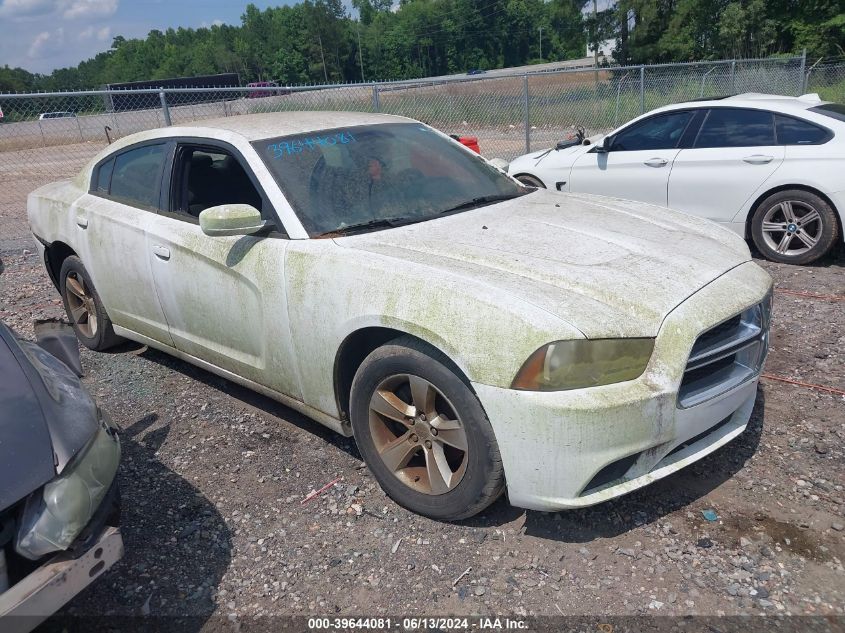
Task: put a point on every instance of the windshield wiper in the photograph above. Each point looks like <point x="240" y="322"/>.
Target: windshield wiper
<point x="482" y="200"/>
<point x="375" y="223"/>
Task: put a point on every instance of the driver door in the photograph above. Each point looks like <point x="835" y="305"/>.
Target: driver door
<point x="223" y="296"/>
<point x="637" y="163"/>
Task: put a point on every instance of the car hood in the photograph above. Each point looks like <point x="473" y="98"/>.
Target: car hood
<point x="607" y="267"/>
<point x="557" y="156"/>
<point x="46" y="417"/>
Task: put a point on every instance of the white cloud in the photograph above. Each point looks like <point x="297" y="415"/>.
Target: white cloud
<point x="104" y="34"/>
<point x="87" y="8"/>
<point x="46" y="43"/>
<point x="26" y="8"/>
<point x="68" y="9"/>
<point x="206" y="25"/>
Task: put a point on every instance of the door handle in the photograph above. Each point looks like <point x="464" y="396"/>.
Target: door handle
<point x="758" y="159"/>
<point x="81" y="222"/>
<point x="162" y="252"/>
<point x="656" y="162"/>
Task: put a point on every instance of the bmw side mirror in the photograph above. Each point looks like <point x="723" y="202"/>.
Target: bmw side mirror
<point x="604" y="146"/>
<point x="232" y="219"/>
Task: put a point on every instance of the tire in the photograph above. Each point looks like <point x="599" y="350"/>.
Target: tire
<point x="419" y="455"/>
<point x="84" y="308"/>
<point x="782" y="233"/>
<point x="531" y="181"/>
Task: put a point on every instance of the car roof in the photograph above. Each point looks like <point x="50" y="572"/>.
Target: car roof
<point x="255" y="127"/>
<point x="778" y="103"/>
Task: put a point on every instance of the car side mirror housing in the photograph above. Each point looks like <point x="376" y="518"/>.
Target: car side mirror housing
<point x="604" y="146"/>
<point x="231" y="219"/>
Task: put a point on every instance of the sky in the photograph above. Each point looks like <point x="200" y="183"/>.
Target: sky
<point x="41" y="35"/>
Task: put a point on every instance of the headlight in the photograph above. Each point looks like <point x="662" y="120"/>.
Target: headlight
<point x="582" y="363"/>
<point x="54" y="516"/>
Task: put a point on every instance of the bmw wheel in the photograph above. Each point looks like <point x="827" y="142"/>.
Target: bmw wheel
<point x="530" y="181"/>
<point x="794" y="227"/>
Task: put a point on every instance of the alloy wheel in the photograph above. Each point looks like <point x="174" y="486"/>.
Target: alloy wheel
<point x="81" y="304"/>
<point x="792" y="227"/>
<point x="417" y="434"/>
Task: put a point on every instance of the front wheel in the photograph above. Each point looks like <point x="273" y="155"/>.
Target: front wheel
<point x="794" y="227"/>
<point x="423" y="433"/>
<point x="530" y="181"/>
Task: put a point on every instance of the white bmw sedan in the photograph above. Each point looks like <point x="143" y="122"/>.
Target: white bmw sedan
<point x="768" y="167"/>
<point x="473" y="334"/>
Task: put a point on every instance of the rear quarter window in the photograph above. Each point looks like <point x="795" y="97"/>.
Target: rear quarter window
<point x="791" y="131"/>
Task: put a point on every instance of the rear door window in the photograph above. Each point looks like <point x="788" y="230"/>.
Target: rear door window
<point x="136" y="178"/>
<point x="736" y="127"/>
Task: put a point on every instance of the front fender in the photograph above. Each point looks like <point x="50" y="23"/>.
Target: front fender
<point x="334" y="291"/>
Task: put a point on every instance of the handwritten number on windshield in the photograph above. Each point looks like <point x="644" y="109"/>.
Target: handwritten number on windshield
<point x="296" y="146"/>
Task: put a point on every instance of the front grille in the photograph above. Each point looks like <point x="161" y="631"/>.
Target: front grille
<point x="726" y="356"/>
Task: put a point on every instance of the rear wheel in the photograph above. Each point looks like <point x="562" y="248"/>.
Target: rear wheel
<point x="423" y="432"/>
<point x="794" y="227"/>
<point x="84" y="308"/>
<point x="531" y="181"/>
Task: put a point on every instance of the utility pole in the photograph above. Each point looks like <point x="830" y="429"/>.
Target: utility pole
<point x="360" y="55"/>
<point x="325" y="74"/>
<point x="541" y="41"/>
<point x="596" y="35"/>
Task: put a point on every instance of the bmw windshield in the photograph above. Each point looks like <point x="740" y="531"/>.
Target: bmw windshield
<point x="370" y="177"/>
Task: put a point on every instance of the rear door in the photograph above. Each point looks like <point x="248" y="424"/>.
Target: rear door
<point x="112" y="219"/>
<point x="733" y="154"/>
<point x="638" y="162"/>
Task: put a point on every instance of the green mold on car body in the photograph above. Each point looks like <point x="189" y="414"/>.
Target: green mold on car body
<point x="376" y="232"/>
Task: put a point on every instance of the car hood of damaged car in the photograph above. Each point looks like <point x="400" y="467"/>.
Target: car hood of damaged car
<point x="607" y="267"/>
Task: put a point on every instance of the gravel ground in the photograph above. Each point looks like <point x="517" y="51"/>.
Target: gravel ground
<point x="213" y="477"/>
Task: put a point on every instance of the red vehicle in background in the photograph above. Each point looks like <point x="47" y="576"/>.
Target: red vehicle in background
<point x="257" y="94"/>
<point x="469" y="141"/>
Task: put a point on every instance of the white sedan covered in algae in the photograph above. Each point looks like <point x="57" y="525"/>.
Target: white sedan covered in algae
<point x="474" y="335"/>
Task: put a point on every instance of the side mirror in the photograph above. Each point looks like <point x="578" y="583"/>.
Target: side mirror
<point x="231" y="219"/>
<point x="604" y="146"/>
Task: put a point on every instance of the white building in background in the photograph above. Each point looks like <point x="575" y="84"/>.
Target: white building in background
<point x="605" y="49"/>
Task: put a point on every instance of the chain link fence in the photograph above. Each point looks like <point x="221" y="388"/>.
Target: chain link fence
<point x="45" y="137"/>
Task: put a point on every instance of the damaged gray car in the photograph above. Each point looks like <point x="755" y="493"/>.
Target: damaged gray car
<point x="59" y="501"/>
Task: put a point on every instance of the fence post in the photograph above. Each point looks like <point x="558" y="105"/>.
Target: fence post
<point x="376" y="103"/>
<point x="642" y="89"/>
<point x="527" y="117"/>
<point x="165" y="110"/>
<point x="733" y="76"/>
<point x="802" y="78"/>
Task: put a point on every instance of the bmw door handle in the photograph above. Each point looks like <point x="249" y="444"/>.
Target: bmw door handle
<point x="758" y="159"/>
<point x="656" y="162"/>
<point x="81" y="222"/>
<point x="162" y="252"/>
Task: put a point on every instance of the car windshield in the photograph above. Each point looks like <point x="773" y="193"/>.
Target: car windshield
<point x="375" y="176"/>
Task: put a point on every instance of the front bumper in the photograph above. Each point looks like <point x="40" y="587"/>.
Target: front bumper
<point x="44" y="591"/>
<point x="555" y="446"/>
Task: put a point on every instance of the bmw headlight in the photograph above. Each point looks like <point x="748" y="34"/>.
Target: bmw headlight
<point x="55" y="515"/>
<point x="583" y="363"/>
